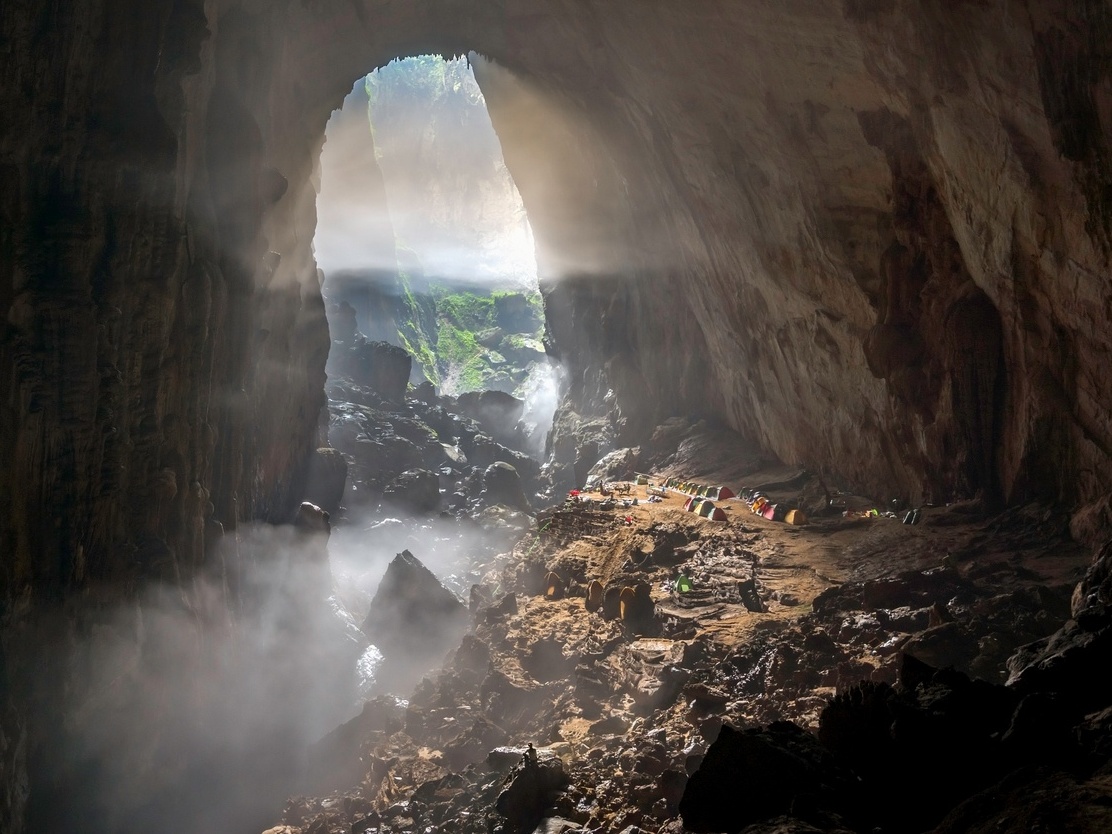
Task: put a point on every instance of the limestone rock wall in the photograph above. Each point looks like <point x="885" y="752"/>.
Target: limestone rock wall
<point x="872" y="235"/>
<point x="887" y="222"/>
<point x="163" y="358"/>
<point x="162" y="349"/>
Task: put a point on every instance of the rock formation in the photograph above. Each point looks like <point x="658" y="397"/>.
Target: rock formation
<point x="415" y="490"/>
<point x="812" y="712"/>
<point x="807" y="255"/>
<point x="413" y="619"/>
<point x="382" y="367"/>
<point x="872" y="236"/>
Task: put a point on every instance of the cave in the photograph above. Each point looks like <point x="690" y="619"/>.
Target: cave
<point x="866" y="240"/>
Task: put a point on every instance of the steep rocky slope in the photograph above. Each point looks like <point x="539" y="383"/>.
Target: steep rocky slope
<point x="668" y="711"/>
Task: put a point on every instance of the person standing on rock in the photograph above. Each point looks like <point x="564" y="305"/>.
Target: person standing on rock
<point x="529" y="757"/>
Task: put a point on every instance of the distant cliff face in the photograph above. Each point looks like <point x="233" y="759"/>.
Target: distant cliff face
<point x="873" y="236"/>
<point x="453" y="203"/>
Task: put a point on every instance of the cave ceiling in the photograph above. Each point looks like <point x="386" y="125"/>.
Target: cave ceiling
<point x="871" y="235"/>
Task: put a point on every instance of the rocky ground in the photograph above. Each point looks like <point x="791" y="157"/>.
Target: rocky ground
<point x="795" y="687"/>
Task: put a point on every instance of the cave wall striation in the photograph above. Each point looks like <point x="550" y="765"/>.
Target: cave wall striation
<point x="887" y="263"/>
<point x="872" y="235"/>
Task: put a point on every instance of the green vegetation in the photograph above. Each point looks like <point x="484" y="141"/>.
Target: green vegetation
<point x="413" y="332"/>
<point x="434" y="128"/>
<point x="465" y="310"/>
<point x="442" y="332"/>
<point x="425" y="78"/>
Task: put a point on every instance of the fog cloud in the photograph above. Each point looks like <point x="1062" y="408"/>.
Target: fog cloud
<point x="201" y="701"/>
<point x="412" y="159"/>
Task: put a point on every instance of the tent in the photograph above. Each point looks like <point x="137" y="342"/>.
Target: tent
<point x="795" y="517"/>
<point x="769" y="511"/>
<point x="595" y="593"/>
<point x="553" y="586"/>
<point x="706" y="508"/>
<point x="718" y="515"/>
<point x="690" y="505"/>
<point x="625" y="601"/>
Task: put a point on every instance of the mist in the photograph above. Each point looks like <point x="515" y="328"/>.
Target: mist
<point x="542" y="394"/>
<point x="411" y="162"/>
<point x="201" y="701"/>
<point x="354" y="228"/>
<point x="459" y="552"/>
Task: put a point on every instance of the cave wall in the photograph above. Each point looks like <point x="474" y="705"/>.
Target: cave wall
<point x="872" y="235"/>
<point x="888" y="263"/>
<point x="886" y="221"/>
<point x="163" y="362"/>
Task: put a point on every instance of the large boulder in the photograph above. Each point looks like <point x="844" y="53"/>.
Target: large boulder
<point x="618" y="465"/>
<point x="502" y="485"/>
<point x="381" y="366"/>
<point x="412" y="615"/>
<point x="531" y="791"/>
<point x="1096" y="588"/>
<point x="1062" y="664"/>
<point x="752" y="775"/>
<point x="497" y="412"/>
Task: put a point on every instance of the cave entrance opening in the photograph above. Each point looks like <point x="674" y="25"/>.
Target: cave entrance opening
<point x="424" y="240"/>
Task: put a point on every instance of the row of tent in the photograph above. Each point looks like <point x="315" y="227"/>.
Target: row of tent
<point x="704" y="507"/>
<point x="714" y="493"/>
<point x="760" y="505"/>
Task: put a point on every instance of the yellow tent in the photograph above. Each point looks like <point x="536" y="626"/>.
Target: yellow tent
<point x="795" y="517"/>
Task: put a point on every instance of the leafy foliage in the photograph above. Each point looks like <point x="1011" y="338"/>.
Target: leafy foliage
<point x="449" y="352"/>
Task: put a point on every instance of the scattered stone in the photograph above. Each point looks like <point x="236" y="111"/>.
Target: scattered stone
<point x="335" y="760"/>
<point x="558" y="825"/>
<point x="547" y="662"/>
<point x="417" y="490"/>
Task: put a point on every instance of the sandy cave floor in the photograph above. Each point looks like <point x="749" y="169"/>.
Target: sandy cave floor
<point x="794" y="564"/>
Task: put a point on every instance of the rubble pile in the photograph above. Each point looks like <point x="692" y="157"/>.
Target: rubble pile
<point x="846" y="676"/>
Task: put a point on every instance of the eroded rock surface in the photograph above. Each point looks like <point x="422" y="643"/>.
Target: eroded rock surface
<point x="413" y="619"/>
<point x="811" y="712"/>
<point x="871" y="236"/>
